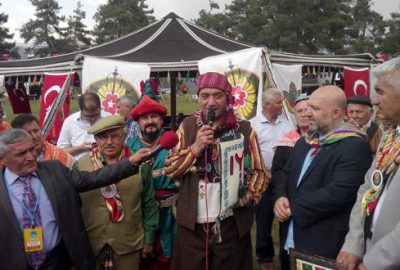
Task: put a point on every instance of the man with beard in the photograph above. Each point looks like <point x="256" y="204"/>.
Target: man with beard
<point x="149" y="116"/>
<point x="215" y="151"/>
<point x="44" y="149"/>
<point x="120" y="219"/>
<point x="321" y="179"/>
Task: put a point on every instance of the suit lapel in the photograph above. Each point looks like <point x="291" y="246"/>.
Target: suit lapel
<point x="5" y="203"/>
<point x="299" y="163"/>
<point x="49" y="188"/>
<point x="323" y="152"/>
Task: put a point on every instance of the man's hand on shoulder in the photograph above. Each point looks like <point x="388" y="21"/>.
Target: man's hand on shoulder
<point x="348" y="261"/>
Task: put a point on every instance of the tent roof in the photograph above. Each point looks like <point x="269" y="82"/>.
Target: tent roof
<point x="167" y="44"/>
<point x="171" y="43"/>
<point x="353" y="60"/>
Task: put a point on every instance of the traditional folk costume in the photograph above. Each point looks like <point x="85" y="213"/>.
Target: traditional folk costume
<point x="203" y="227"/>
<point x="52" y="152"/>
<point x="119" y="218"/>
<point x="165" y="191"/>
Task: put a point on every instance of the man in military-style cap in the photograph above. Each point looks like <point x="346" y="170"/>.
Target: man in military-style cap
<point x="120" y="219"/>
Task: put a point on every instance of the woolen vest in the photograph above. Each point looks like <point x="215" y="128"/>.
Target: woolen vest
<point x="188" y="190"/>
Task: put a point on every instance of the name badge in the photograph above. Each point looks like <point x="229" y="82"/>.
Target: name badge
<point x="33" y="239"/>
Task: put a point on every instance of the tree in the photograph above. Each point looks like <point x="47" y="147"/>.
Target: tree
<point x="391" y="43"/>
<point x="367" y="30"/>
<point x="6" y="47"/>
<point x="120" y="17"/>
<point x="44" y="29"/>
<point x="300" y="26"/>
<point x="76" y="34"/>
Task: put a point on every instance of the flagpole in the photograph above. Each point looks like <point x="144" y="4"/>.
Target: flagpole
<point x="56" y="106"/>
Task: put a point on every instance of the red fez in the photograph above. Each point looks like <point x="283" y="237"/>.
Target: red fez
<point x="147" y="105"/>
<point x="213" y="80"/>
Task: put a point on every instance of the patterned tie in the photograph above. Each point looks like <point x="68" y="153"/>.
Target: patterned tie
<point x="35" y="259"/>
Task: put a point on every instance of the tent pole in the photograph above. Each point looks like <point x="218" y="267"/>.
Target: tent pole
<point x="173" y="100"/>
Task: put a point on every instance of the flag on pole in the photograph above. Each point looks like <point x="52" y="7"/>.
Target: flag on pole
<point x="52" y="86"/>
<point x="17" y="95"/>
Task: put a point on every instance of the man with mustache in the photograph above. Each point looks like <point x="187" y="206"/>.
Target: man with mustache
<point x="214" y="233"/>
<point x="374" y="236"/>
<point x="149" y="116"/>
<point x="120" y="219"/>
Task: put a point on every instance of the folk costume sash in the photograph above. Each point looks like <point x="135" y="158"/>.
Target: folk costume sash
<point x="387" y="162"/>
<point x="110" y="193"/>
<point x="315" y="140"/>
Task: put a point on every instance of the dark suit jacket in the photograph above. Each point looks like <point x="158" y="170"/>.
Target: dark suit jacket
<point x="62" y="187"/>
<point x="322" y="202"/>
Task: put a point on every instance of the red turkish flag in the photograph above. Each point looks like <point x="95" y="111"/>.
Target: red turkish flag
<point x="52" y="85"/>
<point x="17" y="95"/>
<point x="356" y="82"/>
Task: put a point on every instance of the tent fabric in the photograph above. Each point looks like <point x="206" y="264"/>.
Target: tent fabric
<point x="169" y="44"/>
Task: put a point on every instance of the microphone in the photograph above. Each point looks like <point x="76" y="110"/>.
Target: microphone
<point x="210" y="116"/>
<point x="167" y="141"/>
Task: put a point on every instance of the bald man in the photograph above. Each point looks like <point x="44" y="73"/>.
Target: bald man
<point x="320" y="182"/>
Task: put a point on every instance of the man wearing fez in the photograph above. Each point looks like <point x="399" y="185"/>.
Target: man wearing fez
<point x="121" y="218"/>
<point x="319" y="184"/>
<point x="41" y="225"/>
<point x="359" y="109"/>
<point x="373" y="241"/>
<point x="217" y="156"/>
<point x="149" y="116"/>
<point x="44" y="149"/>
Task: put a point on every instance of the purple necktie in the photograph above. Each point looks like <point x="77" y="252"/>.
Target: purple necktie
<point x="35" y="259"/>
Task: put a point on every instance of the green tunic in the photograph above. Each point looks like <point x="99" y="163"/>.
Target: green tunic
<point x="167" y="225"/>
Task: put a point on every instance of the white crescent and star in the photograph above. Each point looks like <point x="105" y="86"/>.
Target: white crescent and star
<point x="54" y="88"/>
<point x="360" y="83"/>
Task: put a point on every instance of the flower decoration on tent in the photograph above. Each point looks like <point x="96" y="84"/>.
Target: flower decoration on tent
<point x="244" y="89"/>
<point x="110" y="89"/>
<point x="109" y="103"/>
<point x="240" y="96"/>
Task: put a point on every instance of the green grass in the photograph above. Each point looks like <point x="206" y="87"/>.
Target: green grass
<point x="187" y="105"/>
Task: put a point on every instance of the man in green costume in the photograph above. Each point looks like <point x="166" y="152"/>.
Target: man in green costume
<point x="149" y="115"/>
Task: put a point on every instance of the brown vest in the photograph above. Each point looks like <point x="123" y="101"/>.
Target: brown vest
<point x="125" y="236"/>
<point x="187" y="202"/>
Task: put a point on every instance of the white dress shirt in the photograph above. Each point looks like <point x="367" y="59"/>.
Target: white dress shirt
<point x="268" y="135"/>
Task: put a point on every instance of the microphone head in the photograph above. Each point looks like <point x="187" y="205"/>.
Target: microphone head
<point x="168" y="140"/>
<point x="211" y="116"/>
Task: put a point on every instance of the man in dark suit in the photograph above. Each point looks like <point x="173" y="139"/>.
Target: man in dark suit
<point x="315" y="193"/>
<point x="41" y="226"/>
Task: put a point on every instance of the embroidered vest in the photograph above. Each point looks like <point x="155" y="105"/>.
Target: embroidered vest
<point x="125" y="236"/>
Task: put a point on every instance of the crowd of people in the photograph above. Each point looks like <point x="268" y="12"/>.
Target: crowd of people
<point x="104" y="198"/>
